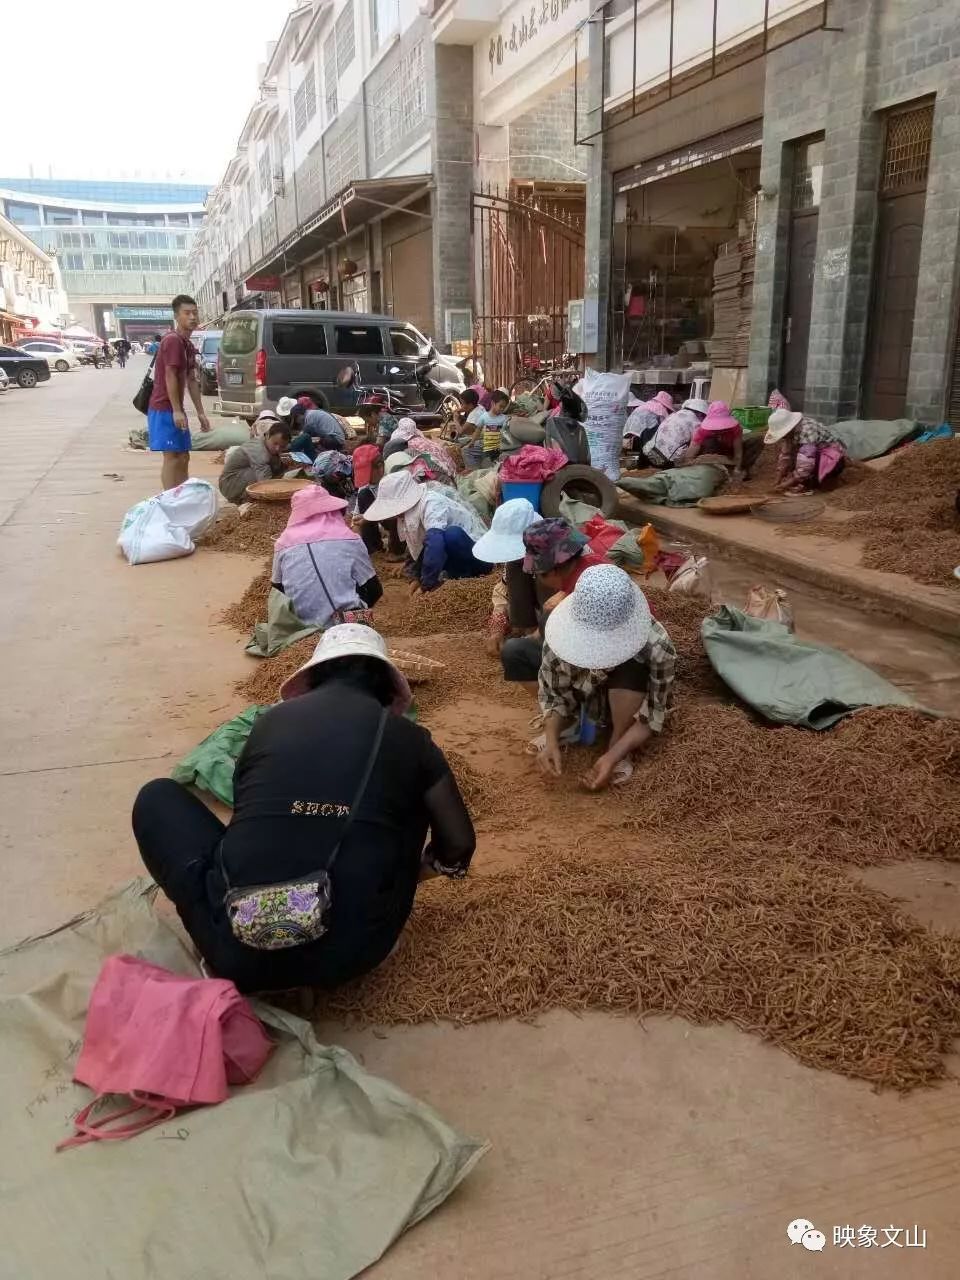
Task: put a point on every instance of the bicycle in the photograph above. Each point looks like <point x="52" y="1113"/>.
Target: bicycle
<point x="566" y="375"/>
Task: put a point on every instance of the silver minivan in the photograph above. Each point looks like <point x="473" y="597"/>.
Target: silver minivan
<point x="265" y="355"/>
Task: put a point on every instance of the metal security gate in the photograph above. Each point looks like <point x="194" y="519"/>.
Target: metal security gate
<point x="528" y="264"/>
<point x="804" y="226"/>
<point x="903" y="188"/>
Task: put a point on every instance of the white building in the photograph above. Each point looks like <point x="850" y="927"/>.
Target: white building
<point x="32" y="297"/>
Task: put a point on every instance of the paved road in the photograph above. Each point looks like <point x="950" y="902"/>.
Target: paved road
<point x="619" y="1152"/>
<point x="107" y="668"/>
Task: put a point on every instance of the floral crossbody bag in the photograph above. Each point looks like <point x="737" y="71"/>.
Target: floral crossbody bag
<point x="270" y="917"/>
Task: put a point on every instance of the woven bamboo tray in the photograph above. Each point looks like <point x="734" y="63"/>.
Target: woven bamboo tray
<point x="732" y="506"/>
<point x="275" y="490"/>
<point x="415" y="666"/>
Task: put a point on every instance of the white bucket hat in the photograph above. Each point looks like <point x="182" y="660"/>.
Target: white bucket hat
<point x="396" y="494"/>
<point x="603" y="623"/>
<point x="503" y="543"/>
<point x="397" y="460"/>
<point x="779" y="425"/>
<point x="698" y="406"/>
<point x="349" y="640"/>
<point x="285" y="405"/>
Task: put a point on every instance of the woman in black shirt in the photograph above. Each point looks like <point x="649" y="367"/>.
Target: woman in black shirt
<point x="297" y="804"/>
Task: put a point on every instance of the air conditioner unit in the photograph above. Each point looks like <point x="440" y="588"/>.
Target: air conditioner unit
<point x="458" y="324"/>
<point x="575" y="326"/>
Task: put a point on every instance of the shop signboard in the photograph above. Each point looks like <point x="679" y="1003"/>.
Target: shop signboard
<point x="527" y="31"/>
<point x="141" y="313"/>
<point x="262" y="284"/>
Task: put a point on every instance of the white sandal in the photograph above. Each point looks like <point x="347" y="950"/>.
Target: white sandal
<point x="568" y="738"/>
<point x="622" y="772"/>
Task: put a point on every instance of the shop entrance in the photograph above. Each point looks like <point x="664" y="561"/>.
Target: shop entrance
<point x="903" y="188"/>
<point x="683" y="262"/>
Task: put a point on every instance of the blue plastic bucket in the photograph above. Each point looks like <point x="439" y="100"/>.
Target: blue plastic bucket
<point x="510" y="489"/>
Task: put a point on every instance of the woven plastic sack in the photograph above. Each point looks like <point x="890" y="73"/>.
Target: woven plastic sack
<point x="164" y="527"/>
<point x="163" y="1042"/>
<point x="606" y="396"/>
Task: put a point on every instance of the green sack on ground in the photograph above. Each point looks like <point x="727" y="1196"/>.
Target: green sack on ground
<point x="309" y="1172"/>
<point x="790" y="681"/>
<point x="210" y="765"/>
<point x="220" y="437"/>
<point x="282" y="627"/>
<point x="577" y="513"/>
<point x="865" y="438"/>
<point x="679" y="487"/>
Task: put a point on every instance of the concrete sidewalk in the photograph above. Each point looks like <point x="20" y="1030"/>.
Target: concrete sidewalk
<point x="831" y="566"/>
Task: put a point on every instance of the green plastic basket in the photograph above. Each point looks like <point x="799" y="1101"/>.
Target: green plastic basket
<point x="752" y="417"/>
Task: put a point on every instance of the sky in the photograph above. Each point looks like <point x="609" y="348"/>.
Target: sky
<point x="130" y="90"/>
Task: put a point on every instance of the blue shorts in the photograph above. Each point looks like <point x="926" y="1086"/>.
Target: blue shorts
<point x="164" y="436"/>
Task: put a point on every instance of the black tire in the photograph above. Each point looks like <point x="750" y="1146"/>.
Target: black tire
<point x="209" y="388"/>
<point x="318" y="396"/>
<point x="583" y="483"/>
<point x="61" y="366"/>
<point x="27" y="378"/>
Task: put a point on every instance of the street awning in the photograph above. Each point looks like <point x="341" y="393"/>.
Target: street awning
<point x="348" y="211"/>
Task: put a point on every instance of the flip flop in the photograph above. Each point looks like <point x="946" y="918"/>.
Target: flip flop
<point x="568" y="738"/>
<point x="622" y="772"/>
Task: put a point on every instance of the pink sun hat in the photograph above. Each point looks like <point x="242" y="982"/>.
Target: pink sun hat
<point x="719" y="418"/>
<point x="661" y="404"/>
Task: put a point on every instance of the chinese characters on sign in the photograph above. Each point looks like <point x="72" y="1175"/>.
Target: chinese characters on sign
<point x="848" y="1237"/>
<point x="524" y="24"/>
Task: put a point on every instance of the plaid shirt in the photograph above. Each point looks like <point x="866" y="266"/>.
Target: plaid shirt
<point x="565" y="689"/>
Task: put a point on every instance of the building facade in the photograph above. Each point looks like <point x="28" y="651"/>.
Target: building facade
<point x="349" y="186"/>
<point x="123" y="247"/>
<point x="775" y="182"/>
<point x="32" y="297"/>
<point x="417" y="160"/>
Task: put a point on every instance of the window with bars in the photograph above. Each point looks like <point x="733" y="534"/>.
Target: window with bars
<point x="263" y="167"/>
<point x="906" y="150"/>
<point x="346" y="39"/>
<point x="305" y="102"/>
<point x="397" y="103"/>
<point x="343" y="159"/>
<point x="330" y="75"/>
<point x="807" y="175"/>
<point x="283" y="134"/>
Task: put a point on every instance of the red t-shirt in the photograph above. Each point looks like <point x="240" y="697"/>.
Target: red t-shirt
<point x="569" y="573"/>
<point x="174" y="353"/>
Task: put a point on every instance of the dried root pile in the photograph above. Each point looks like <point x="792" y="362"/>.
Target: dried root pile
<point x="711" y="886"/>
<point x="253" y="534"/>
<point x="827" y="969"/>
<point x="251" y="608"/>
<point x="905" y="514"/>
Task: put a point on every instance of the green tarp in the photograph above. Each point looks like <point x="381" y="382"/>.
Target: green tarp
<point x="787" y="680"/>
<point x="282" y="627"/>
<point x="210" y="765"/>
<point x="865" y="438"/>
<point x="309" y="1173"/>
<point x="679" y="487"/>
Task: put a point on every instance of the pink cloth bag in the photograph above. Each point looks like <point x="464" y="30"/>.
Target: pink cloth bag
<point x="164" y="1040"/>
<point x="829" y="458"/>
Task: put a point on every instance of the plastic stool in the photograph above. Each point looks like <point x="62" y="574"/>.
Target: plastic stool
<point x="700" y="388"/>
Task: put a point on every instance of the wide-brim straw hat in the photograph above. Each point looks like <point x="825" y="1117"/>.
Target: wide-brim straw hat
<point x="779" y="425"/>
<point x="604" y="622"/>
<point x="396" y="494"/>
<point x="503" y="542"/>
<point x="349" y="640"/>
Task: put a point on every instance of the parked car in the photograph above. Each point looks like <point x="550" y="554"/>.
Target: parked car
<point x="208" y="349"/>
<point x="57" y="355"/>
<point x="23" y="367"/>
<point x="4" y="381"/>
<point x="265" y="355"/>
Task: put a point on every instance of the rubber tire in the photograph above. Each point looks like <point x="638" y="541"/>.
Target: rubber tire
<point x="61" y="366"/>
<point x="27" y="378"/>
<point x="324" y="403"/>
<point x="603" y="489"/>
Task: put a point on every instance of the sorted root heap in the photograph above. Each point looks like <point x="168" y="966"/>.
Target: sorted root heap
<point x="905" y="513"/>
<point x="825" y="968"/>
<point x="463" y="605"/>
<point x="251" y="608"/>
<point x="252" y="534"/>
